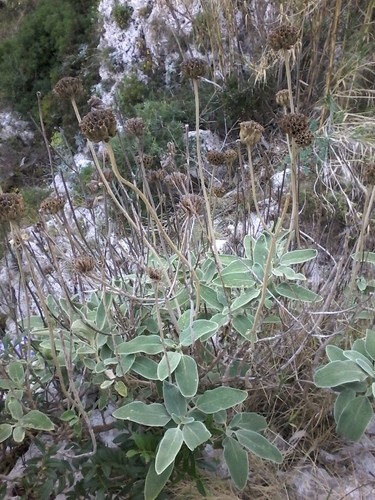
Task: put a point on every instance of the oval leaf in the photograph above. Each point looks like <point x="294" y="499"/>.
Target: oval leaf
<point x="248" y="420"/>
<point x="199" y="328"/>
<point x="169" y="446"/>
<point x="335" y="353"/>
<point x="187" y="376"/>
<point x="370" y="343"/>
<point x="146" y="367"/>
<point x="342" y="400"/>
<point x="154" y="414"/>
<point x="149" y="344"/>
<point x="259" y="445"/>
<point x="298" y="257"/>
<point x="237" y="461"/>
<point x="156" y="482"/>
<point x="174" y="401"/>
<point x="297" y="292"/>
<point x="337" y="373"/>
<point x="220" y="398"/>
<point x="16" y="372"/>
<point x="19" y="434"/>
<point x="354" y="418"/>
<point x="168" y="364"/>
<point x="5" y="432"/>
<point x="195" y="434"/>
<point x="35" y="419"/>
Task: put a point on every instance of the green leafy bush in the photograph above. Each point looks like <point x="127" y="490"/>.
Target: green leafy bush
<point x="122" y="14"/>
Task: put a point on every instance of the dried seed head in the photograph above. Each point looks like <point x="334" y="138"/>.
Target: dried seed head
<point x="68" y="87"/>
<point x="283" y="37"/>
<point x="216" y="158"/>
<point x="52" y="205"/>
<point x="40" y="226"/>
<point x="155" y="176"/>
<point x="154" y="274"/>
<point x="177" y="180"/>
<point x="218" y="191"/>
<point x="193" y="68"/>
<point x="294" y="123"/>
<point x="230" y="156"/>
<point x="304" y="138"/>
<point x="95" y="103"/>
<point x="148" y="161"/>
<point x="135" y="126"/>
<point x="192" y="204"/>
<point x="84" y="264"/>
<point x="11" y="207"/>
<point x="369" y="174"/>
<point x="93" y="186"/>
<point x="282" y="98"/>
<point x="250" y="132"/>
<point x="99" y="125"/>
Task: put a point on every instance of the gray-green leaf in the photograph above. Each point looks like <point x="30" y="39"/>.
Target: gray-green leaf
<point x="5" y="432"/>
<point x="169" y="446"/>
<point x="174" y="401"/>
<point x="237" y="461"/>
<point x="354" y="418"/>
<point x="370" y="343"/>
<point x="16" y="372"/>
<point x="341" y="401"/>
<point x="187" y="376"/>
<point x="35" y="419"/>
<point x="259" y="445"/>
<point x="338" y="373"/>
<point x="149" y="344"/>
<point x="248" y="420"/>
<point x="297" y="292"/>
<point x="199" y="328"/>
<point x="298" y="257"/>
<point x="153" y="414"/>
<point x="146" y="367"/>
<point x="195" y="434"/>
<point x="156" y="482"/>
<point x="168" y="364"/>
<point x="220" y="398"/>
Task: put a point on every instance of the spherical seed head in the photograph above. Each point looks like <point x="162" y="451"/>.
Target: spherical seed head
<point x="135" y="126"/>
<point x="304" y="138"/>
<point x="215" y="158"/>
<point x="369" y="174"/>
<point x="148" y="161"/>
<point x="154" y="274"/>
<point x="68" y="87"/>
<point x="177" y="180"/>
<point x="155" y="176"/>
<point x="52" y="205"/>
<point x="230" y="156"/>
<point x="11" y="207"/>
<point x="99" y="125"/>
<point x="84" y="264"/>
<point x="283" y="37"/>
<point x="294" y="124"/>
<point x="193" y="68"/>
<point x="250" y="132"/>
<point x="218" y="191"/>
<point x="93" y="186"/>
<point x="282" y="98"/>
<point x="192" y="204"/>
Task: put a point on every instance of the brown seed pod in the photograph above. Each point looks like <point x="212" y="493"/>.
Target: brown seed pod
<point x="155" y="176"/>
<point x="52" y="205"/>
<point x="250" y="132"/>
<point x="84" y="264"/>
<point x="68" y="87"/>
<point x="282" y="98"/>
<point x="294" y="123"/>
<point x="218" y="191"/>
<point x="11" y="207"/>
<point x="99" y="125"/>
<point x="215" y="158"/>
<point x="193" y="68"/>
<point x="192" y="204"/>
<point x="304" y="138"/>
<point x="135" y="126"/>
<point x="177" y="180"/>
<point x="283" y="37"/>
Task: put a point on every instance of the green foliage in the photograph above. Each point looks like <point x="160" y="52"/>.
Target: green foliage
<point x="34" y="58"/>
<point x="33" y="196"/>
<point x="351" y="373"/>
<point x="122" y="14"/>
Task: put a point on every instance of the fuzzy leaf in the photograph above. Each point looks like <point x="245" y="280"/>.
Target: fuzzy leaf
<point x="248" y="420"/>
<point x="297" y="292"/>
<point x="16" y="372"/>
<point x="354" y="418"/>
<point x="338" y="373"/>
<point x="35" y="419"/>
<point x="156" y="482"/>
<point x="149" y="344"/>
<point x="237" y="461"/>
<point x="298" y="257"/>
<point x="169" y="446"/>
<point x="370" y="343"/>
<point x="259" y="445"/>
<point x="220" y="398"/>
<point x="195" y="434"/>
<point x="154" y="414"/>
<point x="187" y="377"/>
<point x="174" y="401"/>
<point x="200" y="328"/>
<point x="168" y="364"/>
<point x="5" y="432"/>
<point x="341" y="401"/>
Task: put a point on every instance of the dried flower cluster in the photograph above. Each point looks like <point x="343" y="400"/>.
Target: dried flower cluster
<point x="52" y="205"/>
<point x="155" y="176"/>
<point x="177" y="180"/>
<point x="297" y="126"/>
<point x="230" y="156"/>
<point x="193" y="68"/>
<point x="154" y="274"/>
<point x="215" y="158"/>
<point x="11" y="207"/>
<point x="283" y="37"/>
<point x="148" y="161"/>
<point x="68" y="87"/>
<point x="135" y="126"/>
<point x="192" y="204"/>
<point x="84" y="264"/>
<point x="99" y="125"/>
<point x="282" y="98"/>
<point x="250" y="132"/>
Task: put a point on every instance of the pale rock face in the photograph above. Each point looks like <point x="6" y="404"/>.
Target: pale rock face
<point x="11" y="125"/>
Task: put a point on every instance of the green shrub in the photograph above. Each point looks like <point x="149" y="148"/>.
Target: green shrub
<point x="122" y="15"/>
